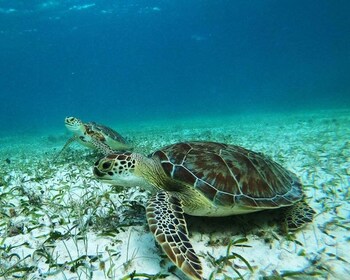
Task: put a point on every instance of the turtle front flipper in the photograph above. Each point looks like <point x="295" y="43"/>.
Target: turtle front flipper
<point x="297" y="215"/>
<point x="66" y="145"/>
<point x="166" y="220"/>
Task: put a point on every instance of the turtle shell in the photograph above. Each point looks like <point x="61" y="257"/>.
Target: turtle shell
<point x="104" y="132"/>
<point x="230" y="175"/>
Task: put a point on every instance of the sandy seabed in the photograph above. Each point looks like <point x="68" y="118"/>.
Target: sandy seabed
<point x="58" y="222"/>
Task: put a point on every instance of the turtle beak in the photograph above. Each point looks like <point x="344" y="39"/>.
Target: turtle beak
<point x="68" y="120"/>
<point x="98" y="173"/>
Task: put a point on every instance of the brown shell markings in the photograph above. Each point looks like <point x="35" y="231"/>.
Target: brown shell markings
<point x="228" y="174"/>
<point x="102" y="131"/>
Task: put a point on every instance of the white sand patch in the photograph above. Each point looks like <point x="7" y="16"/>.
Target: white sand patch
<point x="58" y="222"/>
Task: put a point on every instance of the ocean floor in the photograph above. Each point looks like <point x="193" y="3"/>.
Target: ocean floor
<point x="58" y="222"/>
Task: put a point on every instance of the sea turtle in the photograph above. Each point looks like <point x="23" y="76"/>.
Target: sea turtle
<point x="204" y="179"/>
<point x="95" y="136"/>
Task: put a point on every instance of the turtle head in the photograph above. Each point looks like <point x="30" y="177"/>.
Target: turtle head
<point x="74" y="125"/>
<point x="121" y="169"/>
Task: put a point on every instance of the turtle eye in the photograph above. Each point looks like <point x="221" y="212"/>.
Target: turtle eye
<point x="106" y="165"/>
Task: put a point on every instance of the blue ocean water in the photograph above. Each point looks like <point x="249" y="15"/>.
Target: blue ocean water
<point x="115" y="61"/>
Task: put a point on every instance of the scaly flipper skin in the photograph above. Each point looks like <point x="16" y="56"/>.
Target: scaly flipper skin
<point x="297" y="215"/>
<point x="166" y="221"/>
<point x="66" y="145"/>
<point x="101" y="147"/>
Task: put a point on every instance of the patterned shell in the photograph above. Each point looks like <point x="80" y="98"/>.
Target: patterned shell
<point x="95" y="128"/>
<point x="231" y="175"/>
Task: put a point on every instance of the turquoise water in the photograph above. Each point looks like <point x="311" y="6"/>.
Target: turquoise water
<point x="121" y="61"/>
<point x="271" y="76"/>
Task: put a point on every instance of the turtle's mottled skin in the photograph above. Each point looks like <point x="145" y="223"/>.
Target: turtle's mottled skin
<point x="95" y="136"/>
<point x="204" y="179"/>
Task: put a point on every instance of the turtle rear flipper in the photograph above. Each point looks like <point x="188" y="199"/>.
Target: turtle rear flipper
<point x="297" y="215"/>
<point x="167" y="222"/>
